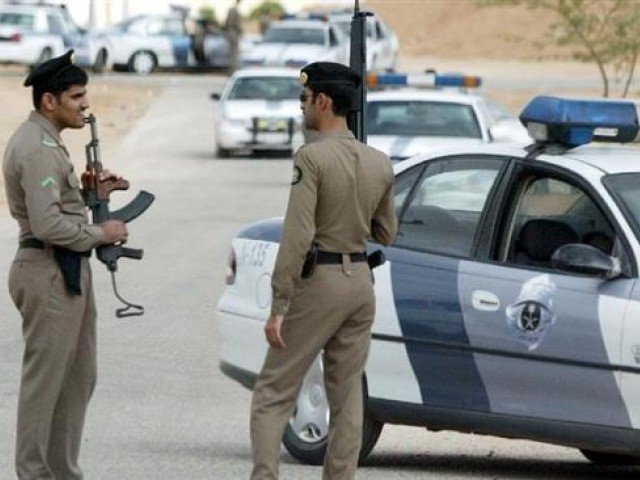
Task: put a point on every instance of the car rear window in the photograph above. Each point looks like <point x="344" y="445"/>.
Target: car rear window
<point x="313" y="36"/>
<point x="419" y="118"/>
<point x="24" y="21"/>
<point x="265" y="88"/>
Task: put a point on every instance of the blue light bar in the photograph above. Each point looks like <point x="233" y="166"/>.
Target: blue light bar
<point x="422" y="80"/>
<point x="574" y="122"/>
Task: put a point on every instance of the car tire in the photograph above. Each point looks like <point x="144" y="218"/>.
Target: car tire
<point x="143" y="62"/>
<point x="100" y="63"/>
<point x="305" y="439"/>
<point x="223" y="152"/>
<point x="603" y="458"/>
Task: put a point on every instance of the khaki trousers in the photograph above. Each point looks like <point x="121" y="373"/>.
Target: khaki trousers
<point x="58" y="368"/>
<point x="331" y="311"/>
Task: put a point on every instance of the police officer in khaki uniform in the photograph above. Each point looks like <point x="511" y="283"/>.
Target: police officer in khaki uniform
<point x="233" y="31"/>
<point x="50" y="279"/>
<point x="341" y="193"/>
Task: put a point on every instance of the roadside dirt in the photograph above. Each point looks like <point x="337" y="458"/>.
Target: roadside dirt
<point x="116" y="106"/>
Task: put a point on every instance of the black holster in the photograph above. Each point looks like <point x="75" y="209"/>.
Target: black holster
<point x="310" y="261"/>
<point x="70" y="264"/>
<point x="376" y="259"/>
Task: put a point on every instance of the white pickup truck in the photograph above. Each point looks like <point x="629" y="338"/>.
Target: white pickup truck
<point x="33" y="33"/>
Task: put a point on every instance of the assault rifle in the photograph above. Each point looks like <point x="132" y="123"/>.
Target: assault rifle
<point x="358" y="62"/>
<point x="96" y="196"/>
<point x="357" y="117"/>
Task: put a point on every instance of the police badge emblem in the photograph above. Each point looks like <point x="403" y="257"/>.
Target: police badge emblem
<point x="531" y="317"/>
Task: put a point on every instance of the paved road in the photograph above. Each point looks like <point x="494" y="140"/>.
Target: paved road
<point x="162" y="410"/>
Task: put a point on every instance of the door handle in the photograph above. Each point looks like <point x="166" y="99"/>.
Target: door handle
<point x="485" y="301"/>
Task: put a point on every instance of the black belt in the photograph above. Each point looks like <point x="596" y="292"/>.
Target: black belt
<point x="32" y="243"/>
<point x="40" y="245"/>
<point x="331" y="257"/>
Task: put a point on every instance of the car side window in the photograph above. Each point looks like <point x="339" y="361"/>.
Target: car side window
<point x="551" y="213"/>
<point x="403" y="186"/>
<point x="446" y="206"/>
<point x="333" y="39"/>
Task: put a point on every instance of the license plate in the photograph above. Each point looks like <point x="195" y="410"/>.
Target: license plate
<point x="272" y="125"/>
<point x="273" y="138"/>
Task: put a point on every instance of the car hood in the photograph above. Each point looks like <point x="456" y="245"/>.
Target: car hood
<point x="244" y="109"/>
<point x="279" y="53"/>
<point x="399" y="148"/>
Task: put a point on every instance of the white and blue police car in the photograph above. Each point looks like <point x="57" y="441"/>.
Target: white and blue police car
<point x="413" y="114"/>
<point x="510" y="302"/>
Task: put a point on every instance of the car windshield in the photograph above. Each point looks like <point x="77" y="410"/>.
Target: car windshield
<point x="265" y="88"/>
<point x="625" y="188"/>
<point x="313" y="36"/>
<point x="345" y="27"/>
<point x="424" y="119"/>
<point x="21" y="20"/>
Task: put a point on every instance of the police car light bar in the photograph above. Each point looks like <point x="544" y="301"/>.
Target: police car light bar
<point x="574" y="122"/>
<point x="428" y="80"/>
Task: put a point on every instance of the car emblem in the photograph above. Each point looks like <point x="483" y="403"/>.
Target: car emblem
<point x="532" y="315"/>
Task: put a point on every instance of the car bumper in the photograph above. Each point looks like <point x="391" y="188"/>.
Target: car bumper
<point x="16" y="53"/>
<point x="240" y="137"/>
<point x="242" y="346"/>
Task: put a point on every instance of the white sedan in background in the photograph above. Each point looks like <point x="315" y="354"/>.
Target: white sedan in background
<point x="382" y="41"/>
<point x="295" y="43"/>
<point x="259" y="110"/>
<point x="404" y="122"/>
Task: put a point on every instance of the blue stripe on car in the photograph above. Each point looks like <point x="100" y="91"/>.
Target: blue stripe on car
<point x="180" y="46"/>
<point x="266" y="230"/>
<point x="425" y="290"/>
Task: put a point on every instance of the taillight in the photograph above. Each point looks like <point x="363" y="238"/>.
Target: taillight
<point x="230" y="274"/>
<point x="16" y="37"/>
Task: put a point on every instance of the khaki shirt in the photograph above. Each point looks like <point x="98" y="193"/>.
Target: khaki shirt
<point x="341" y="194"/>
<point x="43" y="191"/>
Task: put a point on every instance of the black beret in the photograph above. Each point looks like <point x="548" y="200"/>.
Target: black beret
<point x="57" y="71"/>
<point x="329" y="73"/>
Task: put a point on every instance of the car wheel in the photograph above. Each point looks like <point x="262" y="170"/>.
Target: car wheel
<point x="100" y="64"/>
<point x="602" y="458"/>
<point x="306" y="434"/>
<point x="142" y="62"/>
<point x="223" y="152"/>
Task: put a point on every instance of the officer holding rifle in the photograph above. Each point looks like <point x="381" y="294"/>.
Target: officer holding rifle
<point x="50" y="279"/>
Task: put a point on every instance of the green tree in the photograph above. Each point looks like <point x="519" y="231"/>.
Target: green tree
<point x="606" y="32"/>
<point x="269" y="8"/>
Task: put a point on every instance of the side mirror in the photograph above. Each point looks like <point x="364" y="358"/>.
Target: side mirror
<point x="587" y="259"/>
<point x="215" y="96"/>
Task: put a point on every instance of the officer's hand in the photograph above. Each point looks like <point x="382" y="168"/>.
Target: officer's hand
<point x="107" y="175"/>
<point x="114" y="231"/>
<point x="272" y="331"/>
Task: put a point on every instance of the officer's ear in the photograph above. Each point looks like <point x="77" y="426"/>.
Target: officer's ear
<point x="324" y="102"/>
<point x="48" y="102"/>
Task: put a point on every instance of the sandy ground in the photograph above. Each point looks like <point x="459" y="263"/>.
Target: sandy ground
<point x="117" y="106"/>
